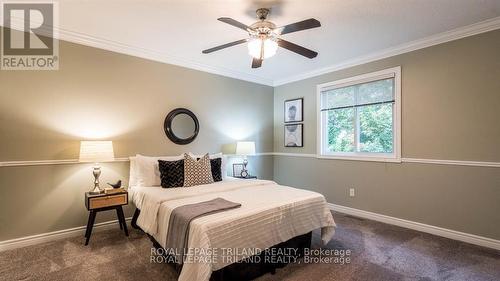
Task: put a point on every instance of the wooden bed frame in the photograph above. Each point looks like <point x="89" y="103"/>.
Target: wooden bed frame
<point x="248" y="269"/>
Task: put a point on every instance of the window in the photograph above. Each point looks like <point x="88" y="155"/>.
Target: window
<point x="359" y="118"/>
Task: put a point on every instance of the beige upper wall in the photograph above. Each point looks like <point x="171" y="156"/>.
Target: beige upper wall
<point x="450" y="110"/>
<point x="450" y="100"/>
<point x="98" y="94"/>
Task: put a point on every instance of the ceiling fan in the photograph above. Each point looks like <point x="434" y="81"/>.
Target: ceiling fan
<point x="265" y="37"/>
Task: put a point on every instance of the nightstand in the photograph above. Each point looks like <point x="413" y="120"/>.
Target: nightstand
<point x="104" y="202"/>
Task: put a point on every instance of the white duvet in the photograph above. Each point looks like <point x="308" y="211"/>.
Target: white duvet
<point x="269" y="214"/>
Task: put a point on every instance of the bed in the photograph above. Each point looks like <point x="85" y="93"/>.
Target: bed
<point x="270" y="214"/>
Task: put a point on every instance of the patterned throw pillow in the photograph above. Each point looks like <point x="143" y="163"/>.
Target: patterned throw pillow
<point x="197" y="172"/>
<point x="171" y="173"/>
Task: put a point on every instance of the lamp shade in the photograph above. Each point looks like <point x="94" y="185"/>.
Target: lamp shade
<point x="96" y="151"/>
<point x="245" y="148"/>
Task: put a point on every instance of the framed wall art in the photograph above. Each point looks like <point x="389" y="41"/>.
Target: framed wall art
<point x="294" y="135"/>
<point x="294" y="110"/>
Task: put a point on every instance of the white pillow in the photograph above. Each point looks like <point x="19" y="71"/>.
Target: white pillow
<point x="214" y="156"/>
<point x="147" y="170"/>
<point x="132" y="179"/>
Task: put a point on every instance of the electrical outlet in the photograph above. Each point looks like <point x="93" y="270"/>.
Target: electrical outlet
<point x="351" y="192"/>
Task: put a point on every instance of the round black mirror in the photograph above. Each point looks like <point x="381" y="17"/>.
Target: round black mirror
<point x="181" y="126"/>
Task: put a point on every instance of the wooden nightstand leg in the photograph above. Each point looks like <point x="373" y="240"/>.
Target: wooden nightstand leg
<point x="122" y="219"/>
<point x="90" y="225"/>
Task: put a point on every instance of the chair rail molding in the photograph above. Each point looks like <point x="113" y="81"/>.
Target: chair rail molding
<point x="301" y="155"/>
<point x="75" y="161"/>
<point x="403" y="160"/>
<point x="50" y="162"/>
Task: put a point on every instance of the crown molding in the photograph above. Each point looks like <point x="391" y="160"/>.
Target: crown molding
<point x="127" y="49"/>
<point x="119" y="47"/>
<point x="447" y="36"/>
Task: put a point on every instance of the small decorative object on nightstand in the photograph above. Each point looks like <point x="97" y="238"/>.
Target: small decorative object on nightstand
<point x="237" y="169"/>
<point x="245" y="148"/>
<point x="238" y="172"/>
<point x="118" y="184"/>
<point x="247" y="177"/>
<point x="96" y="151"/>
<point x="103" y="202"/>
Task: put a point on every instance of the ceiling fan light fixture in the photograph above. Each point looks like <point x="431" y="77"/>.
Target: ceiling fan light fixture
<point x="266" y="45"/>
<point x="265" y="37"/>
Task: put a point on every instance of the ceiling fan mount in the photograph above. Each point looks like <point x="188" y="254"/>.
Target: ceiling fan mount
<point x="262" y="13"/>
<point x="265" y="37"/>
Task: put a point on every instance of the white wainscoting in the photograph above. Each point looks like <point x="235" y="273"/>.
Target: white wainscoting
<point x="56" y="235"/>
<point x="439" y="231"/>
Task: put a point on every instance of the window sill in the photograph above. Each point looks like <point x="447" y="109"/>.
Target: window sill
<point x="359" y="158"/>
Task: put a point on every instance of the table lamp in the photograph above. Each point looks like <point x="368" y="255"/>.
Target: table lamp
<point x="245" y="148"/>
<point x="96" y="151"/>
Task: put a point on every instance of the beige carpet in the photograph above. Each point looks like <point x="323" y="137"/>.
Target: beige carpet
<point x="379" y="252"/>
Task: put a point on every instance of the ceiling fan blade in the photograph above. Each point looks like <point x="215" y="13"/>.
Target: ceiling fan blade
<point x="298" y="26"/>
<point x="297" y="49"/>
<point x="234" y="23"/>
<point x="207" y="51"/>
<point x="256" y="63"/>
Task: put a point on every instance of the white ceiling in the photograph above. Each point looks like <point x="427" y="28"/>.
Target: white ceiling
<point x="177" y="31"/>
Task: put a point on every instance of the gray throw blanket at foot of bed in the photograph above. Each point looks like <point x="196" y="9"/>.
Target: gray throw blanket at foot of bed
<point x="178" y="226"/>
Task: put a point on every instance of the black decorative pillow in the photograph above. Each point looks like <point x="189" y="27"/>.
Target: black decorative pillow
<point x="171" y="173"/>
<point x="216" y="168"/>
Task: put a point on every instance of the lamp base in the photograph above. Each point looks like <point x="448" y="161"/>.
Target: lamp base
<point x="96" y="191"/>
<point x="244" y="171"/>
<point x="97" y="172"/>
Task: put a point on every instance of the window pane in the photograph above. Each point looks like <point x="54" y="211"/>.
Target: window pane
<point x="365" y="93"/>
<point x="376" y="91"/>
<point x="340" y="128"/>
<point x="375" y="128"/>
<point x="339" y="97"/>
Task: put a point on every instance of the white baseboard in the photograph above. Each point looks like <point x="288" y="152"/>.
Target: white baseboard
<point x="55" y="235"/>
<point x="439" y="231"/>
